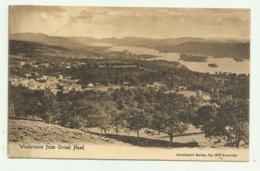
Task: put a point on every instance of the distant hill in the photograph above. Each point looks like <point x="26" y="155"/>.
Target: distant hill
<point x="37" y="49"/>
<point x="48" y="40"/>
<point x="234" y="48"/>
<point x="149" y="42"/>
<point x="215" y="49"/>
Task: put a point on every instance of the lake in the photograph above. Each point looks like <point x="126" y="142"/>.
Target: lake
<point x="224" y="64"/>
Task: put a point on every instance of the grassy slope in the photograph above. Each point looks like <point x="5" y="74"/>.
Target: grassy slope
<point x="34" y="132"/>
<point x="26" y="131"/>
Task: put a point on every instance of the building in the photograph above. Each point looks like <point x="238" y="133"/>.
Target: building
<point x="90" y="85"/>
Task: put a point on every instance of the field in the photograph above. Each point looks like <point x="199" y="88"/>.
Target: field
<point x="110" y="146"/>
<point x="27" y="131"/>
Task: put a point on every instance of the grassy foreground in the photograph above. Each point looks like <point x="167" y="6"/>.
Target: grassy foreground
<point x="28" y="131"/>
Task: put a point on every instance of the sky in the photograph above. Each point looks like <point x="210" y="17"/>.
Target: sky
<point x="103" y="22"/>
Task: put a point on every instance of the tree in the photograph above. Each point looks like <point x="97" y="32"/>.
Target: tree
<point x="71" y="111"/>
<point x="90" y="115"/>
<point x="136" y="120"/>
<point x="27" y="102"/>
<point x="204" y="114"/>
<point x="230" y="123"/>
<point x="172" y="110"/>
<point x="103" y="121"/>
<point x="117" y="120"/>
<point x="173" y="126"/>
<point x="157" y="122"/>
<point x="51" y="106"/>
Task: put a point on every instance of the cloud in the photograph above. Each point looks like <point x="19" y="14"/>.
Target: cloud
<point x="20" y="10"/>
<point x="122" y="22"/>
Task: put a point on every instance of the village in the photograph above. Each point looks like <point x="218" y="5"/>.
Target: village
<point x="65" y="84"/>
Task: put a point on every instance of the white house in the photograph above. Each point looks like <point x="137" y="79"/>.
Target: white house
<point x="90" y="85"/>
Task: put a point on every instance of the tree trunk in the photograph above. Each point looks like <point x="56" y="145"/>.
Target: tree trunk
<point x="116" y="130"/>
<point x="237" y="143"/>
<point x="171" y="137"/>
<point x="105" y="130"/>
<point x="137" y="132"/>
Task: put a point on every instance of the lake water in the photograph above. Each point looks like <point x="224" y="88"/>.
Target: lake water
<point x="224" y="64"/>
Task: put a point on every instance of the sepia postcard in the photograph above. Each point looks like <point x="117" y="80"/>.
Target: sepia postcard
<point x="129" y="83"/>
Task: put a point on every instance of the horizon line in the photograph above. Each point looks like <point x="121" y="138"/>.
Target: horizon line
<point x="163" y="38"/>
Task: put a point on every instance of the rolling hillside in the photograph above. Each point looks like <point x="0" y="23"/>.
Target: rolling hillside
<point x="36" y="49"/>
<point x="210" y="47"/>
<point x="234" y="48"/>
<point x="26" y="131"/>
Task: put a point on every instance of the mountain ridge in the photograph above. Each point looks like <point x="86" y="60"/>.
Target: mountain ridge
<point x="233" y="48"/>
<point x="178" y="40"/>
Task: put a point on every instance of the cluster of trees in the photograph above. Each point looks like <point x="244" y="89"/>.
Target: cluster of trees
<point x="229" y="121"/>
<point x="193" y="58"/>
<point x="135" y="109"/>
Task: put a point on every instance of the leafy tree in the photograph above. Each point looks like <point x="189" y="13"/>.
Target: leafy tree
<point x="172" y="125"/>
<point x="71" y="112"/>
<point x="204" y="114"/>
<point x="136" y="120"/>
<point x="230" y="123"/>
<point x="51" y="106"/>
<point x="157" y="122"/>
<point x="27" y="102"/>
<point x="118" y="120"/>
<point x="90" y="115"/>
<point x="104" y="121"/>
<point x="172" y="110"/>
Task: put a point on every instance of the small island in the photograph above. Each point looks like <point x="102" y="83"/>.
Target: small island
<point x="238" y="59"/>
<point x="212" y="65"/>
<point x="193" y="58"/>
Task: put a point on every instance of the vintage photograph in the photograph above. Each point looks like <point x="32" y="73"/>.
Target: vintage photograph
<point x="129" y="83"/>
